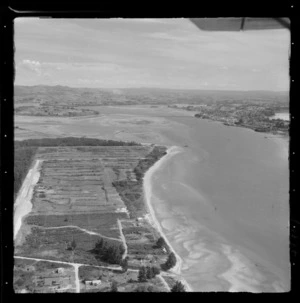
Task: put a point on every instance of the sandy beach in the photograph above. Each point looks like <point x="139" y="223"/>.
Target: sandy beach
<point x="151" y="216"/>
<point x="23" y="203"/>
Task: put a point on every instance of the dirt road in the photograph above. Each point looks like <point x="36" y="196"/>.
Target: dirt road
<point x="75" y="265"/>
<point x="123" y="240"/>
<point x="82" y="229"/>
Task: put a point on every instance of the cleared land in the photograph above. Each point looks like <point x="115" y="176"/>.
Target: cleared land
<point x="126" y="281"/>
<point x="141" y="240"/>
<point x="81" y="195"/>
<point x="43" y="277"/>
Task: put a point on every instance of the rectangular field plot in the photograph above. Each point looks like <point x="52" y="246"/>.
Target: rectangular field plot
<point x="73" y="186"/>
<point x="42" y="277"/>
<point x="93" y="152"/>
<point x="141" y="240"/>
<point x="77" y="180"/>
<point x="88" y="274"/>
<point x="94" y="279"/>
<point x="56" y="244"/>
<point x="104" y="224"/>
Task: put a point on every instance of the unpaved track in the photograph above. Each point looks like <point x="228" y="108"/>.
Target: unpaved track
<point x="69" y="263"/>
<point x="164" y="282"/>
<point x="75" y="265"/>
<point x="123" y="240"/>
<point x="84" y="230"/>
<point x="77" y="282"/>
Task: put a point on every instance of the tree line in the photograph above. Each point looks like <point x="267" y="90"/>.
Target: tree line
<point x="72" y="141"/>
<point x="149" y="160"/>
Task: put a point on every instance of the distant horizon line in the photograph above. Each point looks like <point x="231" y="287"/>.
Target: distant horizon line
<point x="157" y="88"/>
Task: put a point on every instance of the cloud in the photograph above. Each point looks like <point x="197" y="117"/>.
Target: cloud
<point x="32" y="65"/>
<point x="205" y="83"/>
<point x="147" y="52"/>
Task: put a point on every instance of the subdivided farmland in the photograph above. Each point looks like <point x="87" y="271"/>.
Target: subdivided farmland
<point x="125" y="281"/>
<point x="43" y="277"/>
<point x="87" y="194"/>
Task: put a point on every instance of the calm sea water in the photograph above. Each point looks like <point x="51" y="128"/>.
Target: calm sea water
<point x="228" y="195"/>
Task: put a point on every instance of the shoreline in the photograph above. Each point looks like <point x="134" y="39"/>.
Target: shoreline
<point x="283" y="144"/>
<point x="150" y="217"/>
<point x="239" y="265"/>
<point x="23" y="205"/>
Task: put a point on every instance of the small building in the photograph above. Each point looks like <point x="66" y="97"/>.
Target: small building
<point x="29" y="268"/>
<point x="92" y="282"/>
<point x="59" y="270"/>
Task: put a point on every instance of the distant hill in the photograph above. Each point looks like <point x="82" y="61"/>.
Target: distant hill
<point x="43" y="95"/>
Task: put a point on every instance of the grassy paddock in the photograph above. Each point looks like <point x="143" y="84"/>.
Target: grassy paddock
<point x="54" y="244"/>
<point x="105" y="224"/>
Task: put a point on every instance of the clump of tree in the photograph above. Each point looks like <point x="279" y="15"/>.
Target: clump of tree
<point x="152" y="271"/>
<point x="114" y="286"/>
<point x="171" y="262"/>
<point x="142" y="276"/>
<point x="178" y="287"/>
<point x="109" y="251"/>
<point x="147" y="273"/>
<point x="42" y="195"/>
<point x="145" y="288"/>
<point x="161" y="243"/>
<point x="72" y="245"/>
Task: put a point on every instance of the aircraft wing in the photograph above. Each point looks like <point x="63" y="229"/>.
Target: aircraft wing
<point x="243" y="23"/>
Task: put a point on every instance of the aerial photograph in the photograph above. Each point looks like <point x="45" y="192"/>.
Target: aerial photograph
<point x="151" y="155"/>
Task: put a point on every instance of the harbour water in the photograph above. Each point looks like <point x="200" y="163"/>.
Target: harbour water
<point x="223" y="202"/>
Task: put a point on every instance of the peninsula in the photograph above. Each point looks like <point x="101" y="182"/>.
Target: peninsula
<point x="81" y="223"/>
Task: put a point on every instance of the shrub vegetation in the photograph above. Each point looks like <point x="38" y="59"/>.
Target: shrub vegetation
<point x="178" y="287"/>
<point x="109" y="252"/>
<point x="171" y="261"/>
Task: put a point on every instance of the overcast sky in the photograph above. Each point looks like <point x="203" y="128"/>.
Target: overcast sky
<point x="166" y="53"/>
